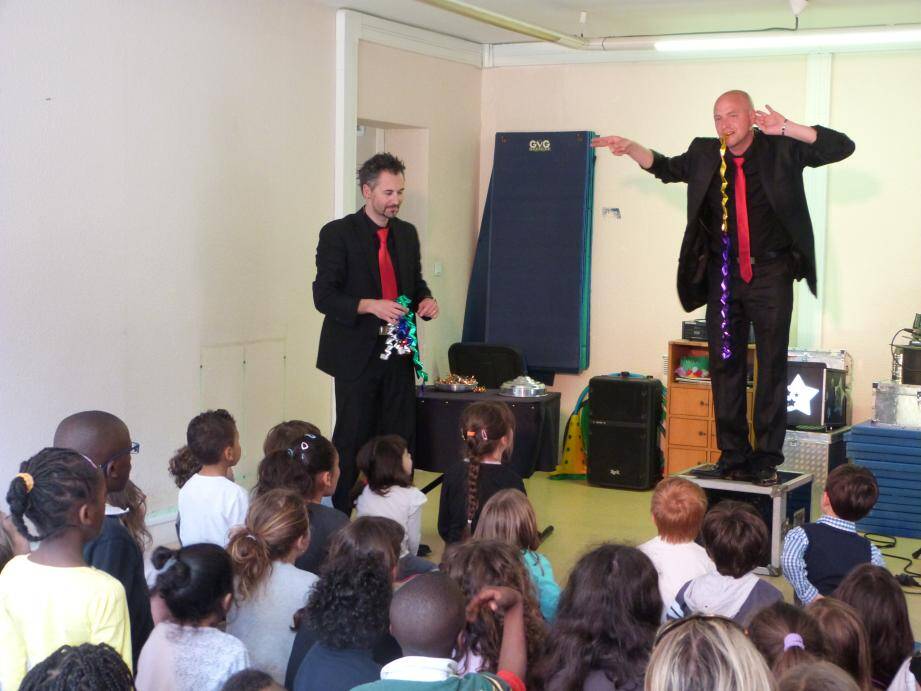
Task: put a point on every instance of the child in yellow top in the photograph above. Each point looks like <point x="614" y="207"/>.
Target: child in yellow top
<point x="51" y="597"/>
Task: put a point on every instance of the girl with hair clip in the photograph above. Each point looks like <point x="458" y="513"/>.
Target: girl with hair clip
<point x="309" y="465"/>
<point x="50" y="597"/>
<point x="270" y="589"/>
<point x="475" y="565"/>
<point x="189" y="652"/>
<point x="845" y="638"/>
<point x="508" y="516"/>
<point x="787" y="636"/>
<point x="487" y="431"/>
<point x="606" y="623"/>
<point x="388" y="468"/>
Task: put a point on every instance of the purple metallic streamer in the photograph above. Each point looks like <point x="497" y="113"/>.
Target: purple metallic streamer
<point x="725" y="348"/>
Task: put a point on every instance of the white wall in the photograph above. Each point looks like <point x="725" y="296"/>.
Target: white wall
<point x="412" y="90"/>
<point x="166" y="168"/>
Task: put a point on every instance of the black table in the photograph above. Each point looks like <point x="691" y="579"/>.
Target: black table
<point x="438" y="440"/>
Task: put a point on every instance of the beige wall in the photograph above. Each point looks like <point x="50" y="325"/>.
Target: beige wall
<point x="166" y="168"/>
<point x="411" y="90"/>
<point x="872" y="280"/>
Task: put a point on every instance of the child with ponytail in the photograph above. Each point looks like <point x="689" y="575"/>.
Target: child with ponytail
<point x="50" y="597"/>
<point x="309" y="465"/>
<point x="487" y="431"/>
<point x="189" y="652"/>
<point x="787" y="636"/>
<point x="270" y="589"/>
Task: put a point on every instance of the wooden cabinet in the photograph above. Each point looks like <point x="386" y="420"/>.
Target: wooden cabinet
<point x="690" y="426"/>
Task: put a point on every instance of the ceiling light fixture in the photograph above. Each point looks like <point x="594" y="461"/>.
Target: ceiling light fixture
<point x="799" y="40"/>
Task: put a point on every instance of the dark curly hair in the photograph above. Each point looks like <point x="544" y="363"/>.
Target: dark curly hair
<point x="85" y="667"/>
<point x="63" y="480"/>
<point x="477" y="564"/>
<point x="371" y="169"/>
<point x="606" y="621"/>
<point x="349" y="607"/>
<point x="194" y="585"/>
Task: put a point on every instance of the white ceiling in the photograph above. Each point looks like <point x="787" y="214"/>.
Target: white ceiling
<point x="640" y="17"/>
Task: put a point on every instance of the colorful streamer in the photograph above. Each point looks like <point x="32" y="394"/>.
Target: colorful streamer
<point x="401" y="337"/>
<point x="726" y="343"/>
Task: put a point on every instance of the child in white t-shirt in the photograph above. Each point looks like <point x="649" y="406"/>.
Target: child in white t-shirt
<point x="211" y="505"/>
<point x="386" y="464"/>
<point x="678" y="508"/>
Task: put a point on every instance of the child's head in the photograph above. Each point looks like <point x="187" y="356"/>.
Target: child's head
<point x="251" y="680"/>
<point x="349" y="607"/>
<point x="85" y="666"/>
<point x="57" y="490"/>
<point x="277" y="528"/>
<point x="487" y="430"/>
<point x="212" y="438"/>
<point x="850" y="491"/>
<point x="104" y="439"/>
<point x="787" y="636"/>
<point x="309" y="466"/>
<point x="880" y="603"/>
<point x="701" y="653"/>
<point x="818" y="676"/>
<point x="508" y="516"/>
<point x="678" y="508"/>
<point x="735" y="537"/>
<point x="477" y="564"/>
<point x="12" y="542"/>
<point x="375" y="536"/>
<point x="427" y="615"/>
<point x="195" y="582"/>
<point x="386" y="463"/>
<point x="285" y="435"/>
<point x="845" y="637"/>
<point x="607" y="618"/>
<point x="134" y="501"/>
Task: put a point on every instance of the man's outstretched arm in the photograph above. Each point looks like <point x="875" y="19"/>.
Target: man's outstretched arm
<point x="621" y="145"/>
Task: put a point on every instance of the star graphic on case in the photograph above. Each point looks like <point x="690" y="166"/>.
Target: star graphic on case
<point x="799" y="396"/>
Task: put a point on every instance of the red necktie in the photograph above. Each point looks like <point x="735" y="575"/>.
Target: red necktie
<point x="389" y="289"/>
<point x="745" y="257"/>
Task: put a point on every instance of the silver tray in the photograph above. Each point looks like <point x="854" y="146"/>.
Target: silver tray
<point x="455" y="388"/>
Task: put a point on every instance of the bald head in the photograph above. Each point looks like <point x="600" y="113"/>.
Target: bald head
<point x="101" y="437"/>
<point x="733" y="118"/>
<point x="427" y="615"/>
<point x="737" y="95"/>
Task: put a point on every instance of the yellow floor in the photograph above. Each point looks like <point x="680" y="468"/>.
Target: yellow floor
<point x="584" y="516"/>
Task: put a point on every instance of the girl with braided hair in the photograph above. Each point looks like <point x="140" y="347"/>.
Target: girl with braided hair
<point x="84" y="667"/>
<point x="270" y="588"/>
<point x="487" y="432"/>
<point x="50" y="597"/>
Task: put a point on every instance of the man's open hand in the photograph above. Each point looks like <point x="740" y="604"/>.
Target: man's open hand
<point x="617" y="145"/>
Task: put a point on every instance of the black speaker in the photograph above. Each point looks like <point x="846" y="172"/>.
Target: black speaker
<point x="623" y="444"/>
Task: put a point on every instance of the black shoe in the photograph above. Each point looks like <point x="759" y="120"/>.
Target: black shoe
<point x="716" y="471"/>
<point x="423" y="551"/>
<point x="765" y="477"/>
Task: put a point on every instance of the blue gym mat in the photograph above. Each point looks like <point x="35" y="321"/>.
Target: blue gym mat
<point x="531" y="281"/>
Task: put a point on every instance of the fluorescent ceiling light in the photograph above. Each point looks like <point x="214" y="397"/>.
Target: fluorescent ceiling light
<point x="799" y="40"/>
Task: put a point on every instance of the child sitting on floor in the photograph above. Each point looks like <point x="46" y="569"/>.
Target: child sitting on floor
<point x="77" y="668"/>
<point x="678" y="507"/>
<point x="427" y="616"/>
<point x="50" y="597"/>
<point x="387" y="466"/>
<point x="787" y="636"/>
<point x="270" y="589"/>
<point x="736" y="539"/>
<point x="487" y="431"/>
<point x="189" y="652"/>
<point x="845" y="637"/>
<point x="817" y="556"/>
<point x="508" y="516"/>
<point x="210" y="505"/>
<point x="310" y="466"/>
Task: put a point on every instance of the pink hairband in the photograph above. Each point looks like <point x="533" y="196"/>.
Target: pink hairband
<point x="793" y="640"/>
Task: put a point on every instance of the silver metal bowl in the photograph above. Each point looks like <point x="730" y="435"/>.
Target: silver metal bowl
<point x="455" y="388"/>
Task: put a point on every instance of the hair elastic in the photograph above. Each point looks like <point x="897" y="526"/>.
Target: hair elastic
<point x="793" y="640"/>
<point x="28" y="480"/>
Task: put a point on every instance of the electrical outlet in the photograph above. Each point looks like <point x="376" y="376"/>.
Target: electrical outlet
<point x="610" y="211"/>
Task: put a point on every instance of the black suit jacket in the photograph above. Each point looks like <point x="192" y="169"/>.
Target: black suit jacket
<point x="347" y="271"/>
<point x="781" y="161"/>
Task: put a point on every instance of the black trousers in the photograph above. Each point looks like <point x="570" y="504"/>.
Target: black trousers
<point x="767" y="304"/>
<point x="382" y="400"/>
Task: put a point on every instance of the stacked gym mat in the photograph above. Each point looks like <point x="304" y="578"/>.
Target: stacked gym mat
<point x="531" y="280"/>
<point x="893" y="453"/>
